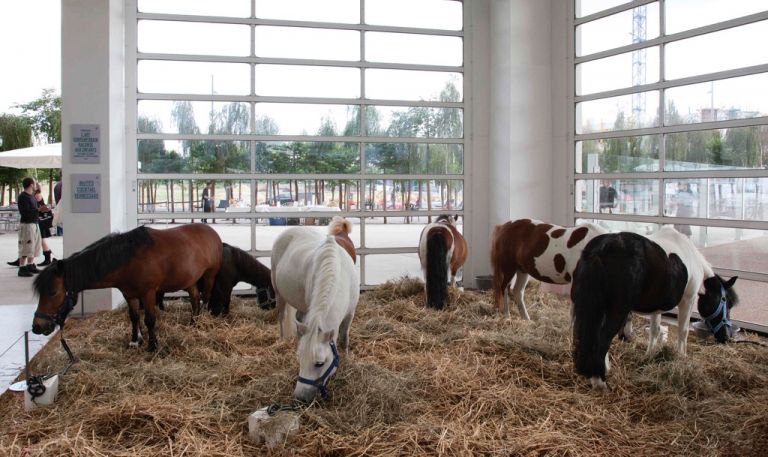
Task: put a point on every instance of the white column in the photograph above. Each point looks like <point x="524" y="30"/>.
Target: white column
<point x="511" y="150"/>
<point x="92" y="50"/>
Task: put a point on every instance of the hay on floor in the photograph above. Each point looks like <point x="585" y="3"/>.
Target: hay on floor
<point x="417" y="382"/>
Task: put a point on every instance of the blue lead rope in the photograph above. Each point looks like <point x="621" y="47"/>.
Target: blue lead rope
<point x="320" y="382"/>
<point x="722" y="310"/>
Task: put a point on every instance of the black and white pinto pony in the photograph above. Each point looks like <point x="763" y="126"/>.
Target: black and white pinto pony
<point x="317" y="289"/>
<point x="623" y="272"/>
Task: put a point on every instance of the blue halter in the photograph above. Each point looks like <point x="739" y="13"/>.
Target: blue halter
<point x="320" y="382"/>
<point x="722" y="310"/>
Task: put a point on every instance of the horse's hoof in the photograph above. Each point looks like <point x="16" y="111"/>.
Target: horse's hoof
<point x="152" y="347"/>
<point x="599" y="385"/>
<point x="134" y="345"/>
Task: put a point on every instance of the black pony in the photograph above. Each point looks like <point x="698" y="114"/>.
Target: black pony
<point x="622" y="272"/>
<point x="237" y="265"/>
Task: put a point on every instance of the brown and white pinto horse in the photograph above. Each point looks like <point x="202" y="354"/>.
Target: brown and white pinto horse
<point x="526" y="247"/>
<point x="442" y="250"/>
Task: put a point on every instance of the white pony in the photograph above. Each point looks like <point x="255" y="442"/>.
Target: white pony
<point x="315" y="280"/>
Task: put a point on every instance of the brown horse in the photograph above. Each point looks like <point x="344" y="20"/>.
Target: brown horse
<point x="140" y="263"/>
<point x="528" y="247"/>
<point x="442" y="251"/>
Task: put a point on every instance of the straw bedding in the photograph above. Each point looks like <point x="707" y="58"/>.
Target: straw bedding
<point x="417" y="382"/>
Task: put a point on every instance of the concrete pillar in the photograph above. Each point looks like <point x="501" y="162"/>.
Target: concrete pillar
<point x="511" y="151"/>
<point x="92" y="50"/>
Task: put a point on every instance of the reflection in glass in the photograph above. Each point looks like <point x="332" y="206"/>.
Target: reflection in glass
<point x="616" y="30"/>
<point x="733" y="248"/>
<point x="414" y="122"/>
<point x="174" y="37"/>
<point x="344" y="11"/>
<point x="192" y="118"/>
<point x="616" y="72"/>
<point x="307" y="43"/>
<point x="160" y="76"/>
<point x="307" y="81"/>
<point x="717" y="198"/>
<point x="617" y="113"/>
<point x="685" y="198"/>
<point x="618" y="196"/>
<point x="428" y="14"/>
<point x="715" y="51"/>
<point x="617" y="155"/>
<point x="723" y="149"/>
<point x="231" y="8"/>
<point x="157" y="196"/>
<point x="721" y="100"/>
<point x="307" y="157"/>
<point x="413" y="85"/>
<point x="685" y="15"/>
<point x="410" y="158"/>
<point x="412" y="48"/>
<point x="305" y="119"/>
<point x="412" y="194"/>
<point x="193" y="156"/>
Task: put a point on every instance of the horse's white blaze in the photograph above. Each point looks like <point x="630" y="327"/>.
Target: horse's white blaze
<point x="316" y="276"/>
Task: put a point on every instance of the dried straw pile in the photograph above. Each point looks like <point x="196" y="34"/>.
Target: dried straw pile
<point x="458" y="382"/>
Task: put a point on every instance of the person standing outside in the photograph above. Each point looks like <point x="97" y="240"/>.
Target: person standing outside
<point x="207" y="202"/>
<point x="45" y="221"/>
<point x="57" y="199"/>
<point x="30" y="243"/>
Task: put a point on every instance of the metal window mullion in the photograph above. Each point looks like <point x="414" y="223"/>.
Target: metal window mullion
<point x="315" y="176"/>
<point x="694" y="174"/>
<point x="702" y="221"/>
<point x="284" y="138"/>
<point x="291" y="23"/>
<point x="755" y="121"/>
<point x="305" y="100"/>
<point x="608" y="12"/>
<point x="276" y="213"/>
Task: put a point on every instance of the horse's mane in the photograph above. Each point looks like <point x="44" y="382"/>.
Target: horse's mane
<point x="93" y="262"/>
<point x="340" y="225"/>
<point x="247" y="266"/>
<point x="328" y="269"/>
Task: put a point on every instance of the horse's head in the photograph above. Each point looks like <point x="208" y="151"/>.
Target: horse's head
<point x="55" y="303"/>
<point x="715" y="306"/>
<point x="318" y="360"/>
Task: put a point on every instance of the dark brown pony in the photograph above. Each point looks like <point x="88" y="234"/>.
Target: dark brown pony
<point x="237" y="265"/>
<point x="442" y="250"/>
<point x="140" y="263"/>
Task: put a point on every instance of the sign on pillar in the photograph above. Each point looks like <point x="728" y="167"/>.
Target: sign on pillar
<point x="86" y="197"/>
<point x="85" y="143"/>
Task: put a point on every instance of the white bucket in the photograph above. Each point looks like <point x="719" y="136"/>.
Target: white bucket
<point x="49" y="396"/>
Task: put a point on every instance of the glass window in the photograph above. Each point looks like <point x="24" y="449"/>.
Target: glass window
<point x="173" y="37"/>
<point x="411" y="194"/>
<point x="342" y="11"/>
<point x="413" y="85"/>
<point x="307" y="81"/>
<point x="620" y="29"/>
<point x="587" y="7"/>
<point x="686" y="14"/>
<point x="230" y="8"/>
<point x="618" y="196"/>
<point x="624" y="70"/>
<point x="306" y="119"/>
<point x="723" y="149"/>
<point x="411" y="158"/>
<point x="193" y="118"/>
<point x="414" y="122"/>
<point x="625" y="112"/>
<point x="307" y="157"/>
<point x="381" y="268"/>
<point x="616" y="155"/>
<point x="412" y="48"/>
<point x="158" y="196"/>
<point x="193" y="156"/>
<point x="163" y="76"/>
<point x="721" y="100"/>
<point x="429" y="14"/>
<point x="307" y="43"/>
<point x="715" y="51"/>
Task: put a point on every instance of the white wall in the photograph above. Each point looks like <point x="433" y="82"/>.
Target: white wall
<point x="92" y="50"/>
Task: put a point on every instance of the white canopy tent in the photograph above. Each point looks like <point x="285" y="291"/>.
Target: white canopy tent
<point x="45" y="156"/>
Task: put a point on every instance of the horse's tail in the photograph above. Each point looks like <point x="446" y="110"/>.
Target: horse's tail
<point x="496" y="268"/>
<point x="589" y="315"/>
<point x="339" y="225"/>
<point x="437" y="268"/>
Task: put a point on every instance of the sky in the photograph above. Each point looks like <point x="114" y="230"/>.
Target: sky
<point x="30" y="50"/>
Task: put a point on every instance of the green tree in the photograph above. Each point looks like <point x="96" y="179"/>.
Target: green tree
<point x="16" y="133"/>
<point x="45" y="116"/>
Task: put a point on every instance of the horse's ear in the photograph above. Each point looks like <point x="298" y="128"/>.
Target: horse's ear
<point x="327" y="337"/>
<point x="59" y="265"/>
<point x="728" y="284"/>
<point x="456" y="218"/>
<point x="301" y="328"/>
